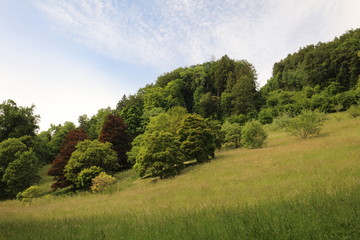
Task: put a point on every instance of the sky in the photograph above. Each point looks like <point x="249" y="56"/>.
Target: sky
<point x="73" y="57"/>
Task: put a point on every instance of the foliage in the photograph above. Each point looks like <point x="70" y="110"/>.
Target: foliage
<point x="334" y="63"/>
<point x="114" y="131"/>
<point x="28" y="194"/>
<point x="253" y="135"/>
<point x="8" y="153"/>
<point x="72" y="138"/>
<point x="307" y="123"/>
<point x="196" y="138"/>
<point x="91" y="153"/>
<point x="169" y="121"/>
<point x="354" y="111"/>
<point x="232" y="135"/>
<point x="159" y="156"/>
<point x="57" y="136"/>
<point x="132" y="118"/>
<point x="282" y="121"/>
<point x="17" y="121"/>
<point x="8" y="150"/>
<point x="215" y="128"/>
<point x="102" y="182"/>
<point x="22" y="172"/>
<point x="86" y="175"/>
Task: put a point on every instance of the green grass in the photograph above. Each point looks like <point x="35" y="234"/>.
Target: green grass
<point x="291" y="189"/>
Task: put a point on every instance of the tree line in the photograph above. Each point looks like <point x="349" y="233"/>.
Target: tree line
<point x="180" y="119"/>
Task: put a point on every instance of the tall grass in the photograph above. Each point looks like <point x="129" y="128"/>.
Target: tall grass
<point x="291" y="189"/>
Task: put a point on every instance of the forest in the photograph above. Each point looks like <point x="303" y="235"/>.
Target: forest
<point x="182" y="119"/>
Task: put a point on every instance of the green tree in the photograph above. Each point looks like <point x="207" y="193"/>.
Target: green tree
<point x="86" y="175"/>
<point x="232" y="134"/>
<point x="307" y="123"/>
<point x="196" y="138"/>
<point x="22" y="172"/>
<point x="253" y="135"/>
<point x="159" y="156"/>
<point x="91" y="153"/>
<point x="58" y="134"/>
<point x="8" y="153"/>
<point x="17" y="121"/>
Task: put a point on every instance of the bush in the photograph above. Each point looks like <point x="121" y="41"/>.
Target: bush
<point x="30" y="193"/>
<point x="86" y="175"/>
<point x="253" y="135"/>
<point x="159" y="156"/>
<point x="102" y="182"/>
<point x="232" y="135"/>
<point x="91" y="153"/>
<point x="307" y="123"/>
<point x="282" y="121"/>
<point x="354" y="111"/>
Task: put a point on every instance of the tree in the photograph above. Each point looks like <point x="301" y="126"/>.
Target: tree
<point x="57" y="135"/>
<point x="209" y="105"/>
<point x="307" y="123"/>
<point x="91" y="153"/>
<point x="232" y="134"/>
<point x="132" y="118"/>
<point x="8" y="153"/>
<point x="253" y="135"/>
<point x="169" y="121"/>
<point x="72" y="138"/>
<point x="114" y="131"/>
<point x="196" y="138"/>
<point x="96" y="122"/>
<point x="22" y="172"/>
<point x="160" y="155"/>
<point x="8" y="150"/>
<point x="17" y="121"/>
<point x="86" y="175"/>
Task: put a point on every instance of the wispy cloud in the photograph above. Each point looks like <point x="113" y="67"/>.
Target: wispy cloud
<point x="173" y="33"/>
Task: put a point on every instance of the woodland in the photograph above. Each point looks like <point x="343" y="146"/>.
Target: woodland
<point x="184" y="118"/>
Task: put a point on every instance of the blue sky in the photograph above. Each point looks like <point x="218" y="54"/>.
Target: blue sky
<point x="73" y="57"/>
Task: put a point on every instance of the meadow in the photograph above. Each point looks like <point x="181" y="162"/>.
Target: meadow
<point x="290" y="189"/>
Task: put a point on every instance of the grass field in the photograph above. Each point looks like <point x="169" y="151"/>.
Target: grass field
<point x="291" y="189"/>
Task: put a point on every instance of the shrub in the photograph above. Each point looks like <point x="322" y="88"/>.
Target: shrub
<point x="282" y="121"/>
<point x="307" y="123"/>
<point x="253" y="135"/>
<point x="102" y="182"/>
<point x="159" y="156"/>
<point x="232" y="135"/>
<point x="30" y="193"/>
<point x="86" y="175"/>
<point x="354" y="111"/>
<point x="91" y="153"/>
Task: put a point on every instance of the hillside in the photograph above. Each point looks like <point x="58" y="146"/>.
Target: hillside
<point x="291" y="189"/>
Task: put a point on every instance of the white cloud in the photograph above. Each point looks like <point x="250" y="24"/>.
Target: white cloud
<point x="173" y="33"/>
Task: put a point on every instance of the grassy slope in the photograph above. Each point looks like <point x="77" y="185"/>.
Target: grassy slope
<point x="291" y="189"/>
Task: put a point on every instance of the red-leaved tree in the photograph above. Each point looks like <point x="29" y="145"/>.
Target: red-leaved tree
<point x="114" y="130"/>
<point x="72" y="138"/>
